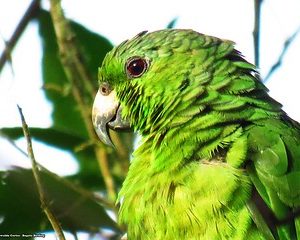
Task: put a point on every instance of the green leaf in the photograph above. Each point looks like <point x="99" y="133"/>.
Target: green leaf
<point x="50" y="136"/>
<point x="75" y="208"/>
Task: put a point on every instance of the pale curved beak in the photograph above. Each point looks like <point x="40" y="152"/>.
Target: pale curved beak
<point x="107" y="113"/>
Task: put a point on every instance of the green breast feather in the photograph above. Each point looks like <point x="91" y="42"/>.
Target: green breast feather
<point x="218" y="159"/>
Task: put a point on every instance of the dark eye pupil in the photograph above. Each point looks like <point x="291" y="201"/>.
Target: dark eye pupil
<point x="136" y="67"/>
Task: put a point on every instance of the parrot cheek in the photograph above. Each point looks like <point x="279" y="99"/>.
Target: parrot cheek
<point x="107" y="114"/>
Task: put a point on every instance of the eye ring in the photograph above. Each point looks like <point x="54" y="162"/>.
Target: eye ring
<point x="105" y="89"/>
<point x="136" y="66"/>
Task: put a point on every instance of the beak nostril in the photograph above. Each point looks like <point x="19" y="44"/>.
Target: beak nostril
<point x="105" y="89"/>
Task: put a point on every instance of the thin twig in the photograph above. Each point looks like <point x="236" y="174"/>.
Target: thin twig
<point x="256" y="30"/>
<point x="45" y="206"/>
<point x="10" y="44"/>
<point x="78" y="75"/>
<point x="278" y="63"/>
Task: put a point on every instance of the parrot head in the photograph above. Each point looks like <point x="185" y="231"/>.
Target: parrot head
<point x="139" y="78"/>
<point x="151" y="81"/>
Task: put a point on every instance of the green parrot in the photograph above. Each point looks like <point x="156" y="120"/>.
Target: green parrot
<point x="218" y="157"/>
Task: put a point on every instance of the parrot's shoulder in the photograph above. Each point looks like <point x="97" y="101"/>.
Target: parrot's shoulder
<point x="273" y="146"/>
<point x="274" y="168"/>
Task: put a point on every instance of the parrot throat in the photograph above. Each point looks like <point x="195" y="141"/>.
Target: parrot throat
<point x="182" y="145"/>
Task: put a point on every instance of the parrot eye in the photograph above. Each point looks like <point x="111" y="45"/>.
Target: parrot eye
<point x="105" y="89"/>
<point x="136" y="66"/>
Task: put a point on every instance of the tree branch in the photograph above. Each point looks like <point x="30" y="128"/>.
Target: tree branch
<point x="30" y="13"/>
<point x="256" y="30"/>
<point x="278" y="63"/>
<point x="35" y="169"/>
<point x="80" y="81"/>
